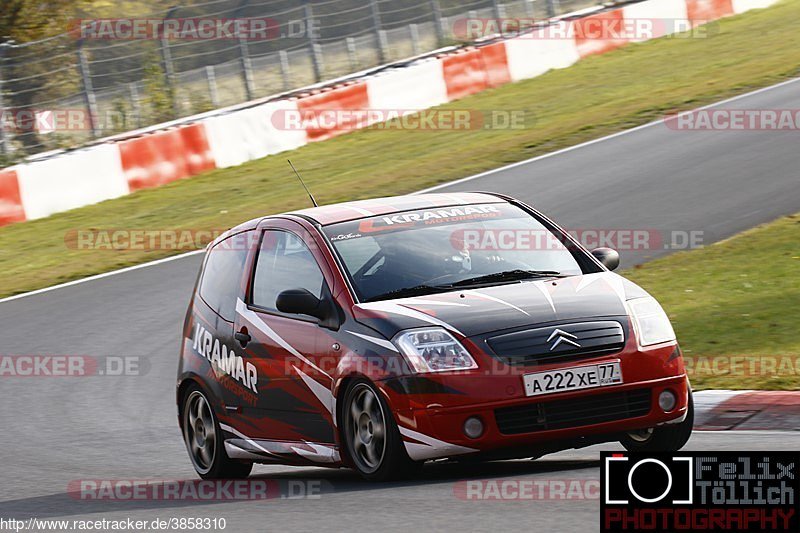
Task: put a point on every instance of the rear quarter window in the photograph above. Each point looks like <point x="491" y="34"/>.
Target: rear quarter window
<point x="220" y="284"/>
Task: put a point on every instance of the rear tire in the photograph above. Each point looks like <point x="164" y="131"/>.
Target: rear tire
<point x="666" y="438"/>
<point x="371" y="436"/>
<point x="204" y="441"/>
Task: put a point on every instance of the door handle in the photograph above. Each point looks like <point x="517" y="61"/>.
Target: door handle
<point x="243" y="337"/>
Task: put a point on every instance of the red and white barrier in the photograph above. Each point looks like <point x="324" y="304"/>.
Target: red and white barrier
<point x="73" y="179"/>
<point x="165" y="156"/>
<point x="705" y="10"/>
<point x="472" y="70"/>
<point x="316" y="110"/>
<point x="584" y="28"/>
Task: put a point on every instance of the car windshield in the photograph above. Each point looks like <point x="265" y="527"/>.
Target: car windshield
<point x="438" y="249"/>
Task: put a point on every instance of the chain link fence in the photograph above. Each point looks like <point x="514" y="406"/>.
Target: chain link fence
<point x="66" y="90"/>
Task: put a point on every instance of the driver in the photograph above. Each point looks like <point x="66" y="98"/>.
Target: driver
<point x="421" y="258"/>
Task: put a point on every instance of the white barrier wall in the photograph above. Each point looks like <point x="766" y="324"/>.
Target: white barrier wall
<point x="71" y="180"/>
<point x="250" y="134"/>
<point x="533" y="54"/>
<point x="419" y="86"/>
<point x="740" y="6"/>
<point x="667" y="16"/>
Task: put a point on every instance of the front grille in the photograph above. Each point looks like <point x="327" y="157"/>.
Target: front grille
<point x="542" y="346"/>
<point x="561" y="414"/>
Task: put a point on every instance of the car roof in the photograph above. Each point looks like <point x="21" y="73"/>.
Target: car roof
<point x="347" y="211"/>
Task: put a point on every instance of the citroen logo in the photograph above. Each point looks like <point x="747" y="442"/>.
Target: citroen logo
<point x="562" y="337"/>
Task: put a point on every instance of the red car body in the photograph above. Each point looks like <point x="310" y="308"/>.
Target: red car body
<point x="279" y="396"/>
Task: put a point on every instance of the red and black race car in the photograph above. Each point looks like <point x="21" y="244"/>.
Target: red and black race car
<point x="380" y="334"/>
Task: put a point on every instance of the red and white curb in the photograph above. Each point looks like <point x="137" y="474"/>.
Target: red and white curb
<point x="747" y="410"/>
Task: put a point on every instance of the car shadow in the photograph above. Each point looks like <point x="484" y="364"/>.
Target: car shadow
<point x="289" y="484"/>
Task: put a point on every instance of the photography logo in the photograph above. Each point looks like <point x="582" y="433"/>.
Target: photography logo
<point x="699" y="491"/>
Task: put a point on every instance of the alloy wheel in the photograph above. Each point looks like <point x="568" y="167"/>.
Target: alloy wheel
<point x="199" y="432"/>
<point x="366" y="428"/>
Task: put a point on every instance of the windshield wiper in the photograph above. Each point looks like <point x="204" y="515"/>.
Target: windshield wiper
<point x="496" y="277"/>
<point x="407" y="292"/>
<point x="508" y="275"/>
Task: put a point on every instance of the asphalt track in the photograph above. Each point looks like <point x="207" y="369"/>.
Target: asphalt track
<point x="56" y="430"/>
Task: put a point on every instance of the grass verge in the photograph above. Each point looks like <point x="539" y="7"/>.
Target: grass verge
<point x="734" y="306"/>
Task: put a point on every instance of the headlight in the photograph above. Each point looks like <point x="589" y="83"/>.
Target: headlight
<point x="651" y="322"/>
<point x="433" y="350"/>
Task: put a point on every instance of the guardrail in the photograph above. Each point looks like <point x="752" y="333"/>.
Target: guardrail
<point x="102" y="78"/>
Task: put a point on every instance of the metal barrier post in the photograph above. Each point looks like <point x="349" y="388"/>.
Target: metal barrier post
<point x="553" y="8"/>
<point x="352" y="54"/>
<point x="498" y="9"/>
<point x="4" y="148"/>
<point x="285" y="73"/>
<point x="244" y="59"/>
<point x="437" y="22"/>
<point x="136" y="104"/>
<point x="247" y="69"/>
<point x="380" y="35"/>
<point x="211" y="78"/>
<point x="316" y="51"/>
<point x="169" y="71"/>
<point x="415" y="46"/>
<point x="530" y="11"/>
<point x="88" y="90"/>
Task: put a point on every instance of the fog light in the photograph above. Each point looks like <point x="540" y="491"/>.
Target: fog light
<point x="667" y="401"/>
<point x="473" y="427"/>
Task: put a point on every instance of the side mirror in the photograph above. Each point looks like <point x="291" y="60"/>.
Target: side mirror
<point x="302" y="302"/>
<point x="608" y="257"/>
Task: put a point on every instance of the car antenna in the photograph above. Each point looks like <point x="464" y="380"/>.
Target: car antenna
<point x="296" y="173"/>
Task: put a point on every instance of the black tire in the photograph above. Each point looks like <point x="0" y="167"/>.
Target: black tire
<point x="666" y="438"/>
<point x="206" y="448"/>
<point x="371" y="438"/>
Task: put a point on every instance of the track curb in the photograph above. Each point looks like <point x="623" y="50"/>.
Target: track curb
<point x="747" y="410"/>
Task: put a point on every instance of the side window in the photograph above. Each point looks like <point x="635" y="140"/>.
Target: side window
<point x="284" y="262"/>
<point x="222" y="276"/>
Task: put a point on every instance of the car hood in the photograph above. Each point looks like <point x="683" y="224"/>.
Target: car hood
<point x="478" y="311"/>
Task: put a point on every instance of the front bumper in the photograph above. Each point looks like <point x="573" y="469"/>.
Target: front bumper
<point x="432" y="425"/>
<point x="447" y="424"/>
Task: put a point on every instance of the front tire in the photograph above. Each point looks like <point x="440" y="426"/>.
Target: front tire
<point x="666" y="438"/>
<point x="204" y="441"/>
<point x="371" y="436"/>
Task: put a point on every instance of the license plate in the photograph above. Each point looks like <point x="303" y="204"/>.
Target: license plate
<point x="575" y="378"/>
